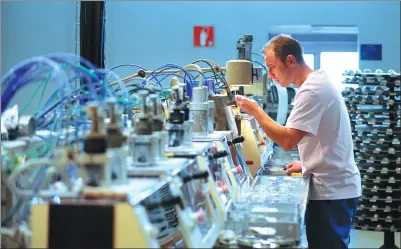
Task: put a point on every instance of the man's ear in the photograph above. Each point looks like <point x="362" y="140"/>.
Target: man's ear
<point x="291" y="61"/>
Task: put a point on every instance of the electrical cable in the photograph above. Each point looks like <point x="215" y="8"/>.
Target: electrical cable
<point x="32" y="96"/>
<point x="166" y="67"/>
<point x="208" y="62"/>
<point x="14" y="210"/>
<point x="127" y="65"/>
<point x="150" y="84"/>
<point x="18" y="70"/>
<point x="41" y="116"/>
<point x="257" y="62"/>
<point x="98" y="74"/>
<point x="197" y="69"/>
<point x="10" y="91"/>
<point x="42" y="94"/>
<point x="65" y="56"/>
<point x="216" y="76"/>
<point x="155" y="77"/>
<point x="150" y="90"/>
<point x="39" y="180"/>
<point x="20" y="202"/>
<point x="259" y="55"/>
<point x="89" y="75"/>
<point x="55" y="93"/>
<point x="171" y="66"/>
<point x="20" y="80"/>
<point x="47" y="79"/>
<point x="31" y="164"/>
<point x="118" y="79"/>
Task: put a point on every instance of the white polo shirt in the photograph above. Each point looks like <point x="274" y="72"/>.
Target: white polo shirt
<point x="326" y="151"/>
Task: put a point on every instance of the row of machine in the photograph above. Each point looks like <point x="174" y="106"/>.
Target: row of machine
<point x="175" y="180"/>
<point x="173" y="174"/>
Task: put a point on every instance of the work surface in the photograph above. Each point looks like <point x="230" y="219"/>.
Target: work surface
<point x="278" y="161"/>
<point x="270" y="215"/>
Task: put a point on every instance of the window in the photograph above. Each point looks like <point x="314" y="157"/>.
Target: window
<point x="335" y="63"/>
<point x="310" y="60"/>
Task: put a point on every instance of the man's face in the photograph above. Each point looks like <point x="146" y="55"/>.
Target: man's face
<point x="278" y="71"/>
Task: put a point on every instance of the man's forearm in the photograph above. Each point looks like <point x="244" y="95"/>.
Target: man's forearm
<point x="278" y="133"/>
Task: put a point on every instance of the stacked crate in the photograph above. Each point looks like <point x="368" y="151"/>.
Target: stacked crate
<point x="373" y="101"/>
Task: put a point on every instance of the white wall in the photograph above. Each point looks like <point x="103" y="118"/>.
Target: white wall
<point x="155" y="33"/>
<point x="35" y="28"/>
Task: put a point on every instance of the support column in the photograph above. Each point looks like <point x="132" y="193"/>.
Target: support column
<point x="92" y="28"/>
<point x="389" y="241"/>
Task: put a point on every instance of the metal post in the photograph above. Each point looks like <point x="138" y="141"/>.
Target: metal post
<point x="389" y="241"/>
<point x="92" y="29"/>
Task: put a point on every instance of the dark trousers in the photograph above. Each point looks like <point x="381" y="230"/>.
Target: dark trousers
<point x="329" y="222"/>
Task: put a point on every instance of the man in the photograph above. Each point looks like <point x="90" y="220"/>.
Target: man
<point x="319" y="124"/>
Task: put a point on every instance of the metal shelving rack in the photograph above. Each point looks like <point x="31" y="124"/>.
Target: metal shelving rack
<point x="373" y="101"/>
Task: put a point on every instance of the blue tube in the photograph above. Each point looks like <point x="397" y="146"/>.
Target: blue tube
<point x="25" y="65"/>
<point x="39" y="180"/>
<point x="118" y="79"/>
<point x="64" y="56"/>
<point x="257" y="62"/>
<point x="54" y="94"/>
<point x="87" y="76"/>
<point x="171" y="66"/>
<point x="165" y="76"/>
<point x="188" y="83"/>
<point x="18" y="70"/>
<point x="21" y="81"/>
<point x="98" y="76"/>
<point x="37" y="183"/>
<point x="126" y="65"/>
<point x="58" y="103"/>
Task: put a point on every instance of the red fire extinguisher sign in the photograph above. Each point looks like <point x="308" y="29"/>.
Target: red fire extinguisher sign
<point x="203" y="36"/>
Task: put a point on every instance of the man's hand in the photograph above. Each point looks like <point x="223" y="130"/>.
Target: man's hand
<point x="249" y="106"/>
<point x="287" y="138"/>
<point x="294" y="167"/>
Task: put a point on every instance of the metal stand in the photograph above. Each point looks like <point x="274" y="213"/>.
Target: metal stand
<point x="389" y="241"/>
<point x="92" y="30"/>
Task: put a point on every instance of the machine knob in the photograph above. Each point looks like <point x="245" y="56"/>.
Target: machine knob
<point x="238" y="169"/>
<point x="214" y="148"/>
<point x="196" y="176"/>
<point x="199" y="216"/>
<point x="218" y="154"/>
<point x="225" y="190"/>
<point x="237" y="140"/>
<point x="222" y="187"/>
<point x="174" y="200"/>
<point x="201" y="175"/>
<point x="201" y="194"/>
<point x="142" y="73"/>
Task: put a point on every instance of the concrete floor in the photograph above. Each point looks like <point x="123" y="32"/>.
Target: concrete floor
<point x="367" y="239"/>
<point x="364" y="239"/>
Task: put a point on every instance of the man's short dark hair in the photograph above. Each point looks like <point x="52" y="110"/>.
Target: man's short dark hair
<point x="284" y="45"/>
